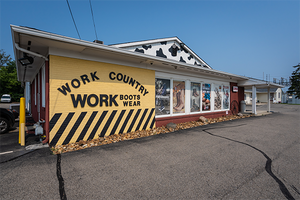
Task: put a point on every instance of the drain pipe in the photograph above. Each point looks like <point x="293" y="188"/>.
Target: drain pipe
<point x="47" y="120"/>
<point x="30" y="52"/>
<point x="47" y="87"/>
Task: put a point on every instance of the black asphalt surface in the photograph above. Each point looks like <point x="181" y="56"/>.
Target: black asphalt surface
<point x="9" y="144"/>
<point x="251" y="158"/>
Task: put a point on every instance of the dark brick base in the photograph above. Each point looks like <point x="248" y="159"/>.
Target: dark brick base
<point x="187" y="118"/>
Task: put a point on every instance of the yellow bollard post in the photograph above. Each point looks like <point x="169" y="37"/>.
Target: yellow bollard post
<point x="22" y="122"/>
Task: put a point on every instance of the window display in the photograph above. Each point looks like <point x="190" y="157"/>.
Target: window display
<point x="218" y="97"/>
<point x="205" y="97"/>
<point x="162" y="96"/>
<point x="195" y="97"/>
<point x="178" y="96"/>
<point x="226" y="95"/>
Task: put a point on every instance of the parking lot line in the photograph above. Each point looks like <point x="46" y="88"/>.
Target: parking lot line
<point x="6" y="152"/>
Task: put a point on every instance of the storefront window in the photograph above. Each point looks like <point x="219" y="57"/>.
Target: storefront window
<point x="206" y="97"/>
<point x="218" y="97"/>
<point x="178" y="96"/>
<point x="162" y="97"/>
<point x="195" y="97"/>
<point x="226" y="97"/>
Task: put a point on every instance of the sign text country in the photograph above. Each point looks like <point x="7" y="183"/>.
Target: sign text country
<point x="129" y="80"/>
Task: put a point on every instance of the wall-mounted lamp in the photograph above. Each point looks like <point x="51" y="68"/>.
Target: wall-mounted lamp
<point x="26" y="60"/>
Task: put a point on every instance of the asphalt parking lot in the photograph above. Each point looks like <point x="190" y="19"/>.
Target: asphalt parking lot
<point x="9" y="145"/>
<point x="251" y="158"/>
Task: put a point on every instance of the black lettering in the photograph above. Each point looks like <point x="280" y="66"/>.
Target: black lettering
<point x="145" y="92"/>
<point x="132" y="82"/>
<point x="93" y="75"/>
<point x="119" y="76"/>
<point x="112" y="78"/>
<point x="141" y="89"/>
<point x="79" y="99"/>
<point x="134" y="96"/>
<point x="78" y="83"/>
<point x="84" y="78"/>
<point x="131" y="103"/>
<point x="137" y="84"/>
<point x="121" y="97"/>
<point x="125" y="96"/>
<point x="89" y="100"/>
<point x="64" y="88"/>
<point x="113" y="100"/>
<point x="125" y="80"/>
<point x="138" y="97"/>
<point x="130" y="97"/>
<point x="103" y="98"/>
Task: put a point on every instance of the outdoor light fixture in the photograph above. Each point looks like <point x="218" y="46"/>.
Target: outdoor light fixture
<point x="26" y="60"/>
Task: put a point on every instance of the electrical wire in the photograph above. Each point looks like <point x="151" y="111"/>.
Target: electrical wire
<point x="73" y="19"/>
<point x="93" y="20"/>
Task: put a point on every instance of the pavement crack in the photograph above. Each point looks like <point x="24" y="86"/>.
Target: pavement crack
<point x="60" y="179"/>
<point x="295" y="189"/>
<point x="268" y="166"/>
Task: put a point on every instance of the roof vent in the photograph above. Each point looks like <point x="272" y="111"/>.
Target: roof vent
<point x="98" y="41"/>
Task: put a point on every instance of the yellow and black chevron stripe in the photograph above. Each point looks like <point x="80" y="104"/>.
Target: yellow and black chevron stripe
<point x="73" y="127"/>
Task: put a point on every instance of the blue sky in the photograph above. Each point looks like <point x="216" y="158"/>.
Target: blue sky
<point x="243" y="37"/>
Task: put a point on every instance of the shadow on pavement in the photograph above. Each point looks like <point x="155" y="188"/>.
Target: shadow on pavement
<point x="10" y="147"/>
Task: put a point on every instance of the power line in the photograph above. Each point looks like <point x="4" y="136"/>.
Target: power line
<point x="73" y="19"/>
<point x="93" y="20"/>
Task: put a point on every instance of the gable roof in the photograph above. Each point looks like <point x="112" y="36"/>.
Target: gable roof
<point x="40" y="44"/>
<point x="171" y="48"/>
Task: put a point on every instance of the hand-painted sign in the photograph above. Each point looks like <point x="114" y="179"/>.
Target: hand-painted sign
<point x="93" y="100"/>
<point x="89" y="99"/>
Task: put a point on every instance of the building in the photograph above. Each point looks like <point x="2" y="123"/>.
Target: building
<point x="293" y="100"/>
<point x="276" y="95"/>
<point x="84" y="90"/>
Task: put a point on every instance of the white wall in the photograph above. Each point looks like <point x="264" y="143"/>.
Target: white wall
<point x="278" y="95"/>
<point x="262" y="97"/>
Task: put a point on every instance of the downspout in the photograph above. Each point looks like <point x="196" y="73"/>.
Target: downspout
<point x="46" y="102"/>
<point x="30" y="52"/>
<point x="46" y="85"/>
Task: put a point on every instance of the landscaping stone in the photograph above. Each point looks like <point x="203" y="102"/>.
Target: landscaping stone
<point x="203" y="119"/>
<point x="171" y="125"/>
<point x="58" y="149"/>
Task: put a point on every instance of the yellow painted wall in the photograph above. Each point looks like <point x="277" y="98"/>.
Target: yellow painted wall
<point x="100" y="92"/>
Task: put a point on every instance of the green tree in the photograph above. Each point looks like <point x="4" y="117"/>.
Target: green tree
<point x="9" y="83"/>
<point x="4" y="59"/>
<point x="295" y="82"/>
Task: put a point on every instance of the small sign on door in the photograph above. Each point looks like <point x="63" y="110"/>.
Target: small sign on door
<point x="235" y="88"/>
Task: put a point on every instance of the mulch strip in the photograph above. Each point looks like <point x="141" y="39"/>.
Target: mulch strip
<point x="58" y="149"/>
